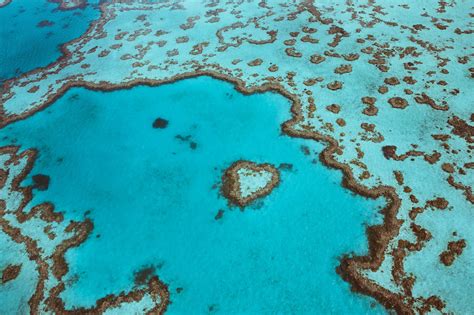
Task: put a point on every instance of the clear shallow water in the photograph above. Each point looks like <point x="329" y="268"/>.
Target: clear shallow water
<point x="24" y="46"/>
<point x="153" y="200"/>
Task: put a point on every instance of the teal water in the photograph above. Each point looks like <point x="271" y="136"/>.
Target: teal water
<point x="152" y="198"/>
<point x="24" y="46"/>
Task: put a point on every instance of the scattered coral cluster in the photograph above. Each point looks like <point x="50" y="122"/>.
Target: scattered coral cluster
<point x="387" y="85"/>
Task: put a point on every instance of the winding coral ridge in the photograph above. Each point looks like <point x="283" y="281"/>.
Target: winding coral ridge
<point x="46" y="237"/>
<point x="369" y="79"/>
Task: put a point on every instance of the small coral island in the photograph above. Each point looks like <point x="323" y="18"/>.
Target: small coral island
<point x="245" y="181"/>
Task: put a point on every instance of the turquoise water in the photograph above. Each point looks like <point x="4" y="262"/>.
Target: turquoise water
<point x="153" y="200"/>
<point x="24" y="46"/>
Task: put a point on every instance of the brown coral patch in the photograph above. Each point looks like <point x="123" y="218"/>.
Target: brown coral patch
<point x="33" y="89"/>
<point x="351" y="57"/>
<point x="334" y="108"/>
<point x="389" y="151"/>
<point x="467" y="190"/>
<point x="382" y="89"/>
<point x="335" y="85"/>
<point x="317" y="58"/>
<point x="447" y="167"/>
<point x="160" y="123"/>
<point x="273" y="68"/>
<point x="392" y="81"/>
<point x="438" y="203"/>
<point x="292" y="52"/>
<point x="425" y="99"/>
<point x="398" y="102"/>
<point x="342" y="69"/>
<point x="10" y="273"/>
<point x="371" y="109"/>
<point x="255" y="62"/>
<point x="462" y="129"/>
<point x="40" y="181"/>
<point x="454" y="249"/>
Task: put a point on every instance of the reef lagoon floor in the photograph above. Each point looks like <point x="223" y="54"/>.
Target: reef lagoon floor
<point x="153" y="195"/>
<point x="236" y="157"/>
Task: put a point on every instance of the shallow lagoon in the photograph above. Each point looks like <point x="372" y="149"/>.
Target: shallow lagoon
<point x="153" y="199"/>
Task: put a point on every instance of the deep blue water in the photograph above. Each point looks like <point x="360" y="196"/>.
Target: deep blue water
<point x="25" y="46"/>
<point x="153" y="200"/>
